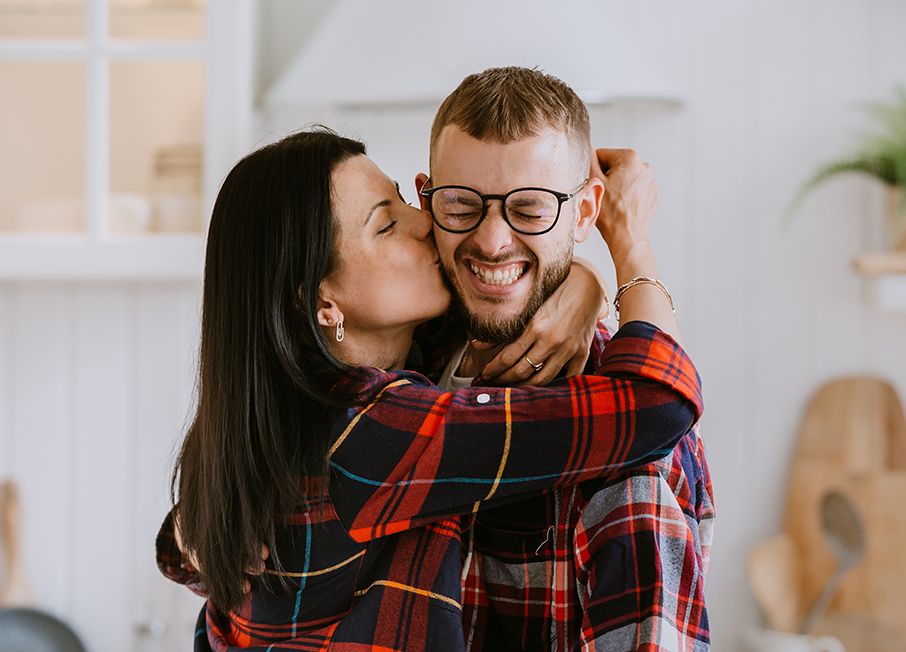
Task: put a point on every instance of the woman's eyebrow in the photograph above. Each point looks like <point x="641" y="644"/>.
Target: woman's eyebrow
<point x="385" y="202"/>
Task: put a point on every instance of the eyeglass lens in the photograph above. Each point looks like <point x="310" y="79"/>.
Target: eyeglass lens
<point x="528" y="211"/>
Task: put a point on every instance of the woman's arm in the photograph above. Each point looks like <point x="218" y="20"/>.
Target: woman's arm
<point x="417" y="453"/>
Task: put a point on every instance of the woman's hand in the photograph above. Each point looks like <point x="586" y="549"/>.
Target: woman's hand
<point x="630" y="198"/>
<point x="558" y="336"/>
<point x="627" y="210"/>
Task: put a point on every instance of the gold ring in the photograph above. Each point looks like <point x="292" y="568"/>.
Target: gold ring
<point x="536" y="367"/>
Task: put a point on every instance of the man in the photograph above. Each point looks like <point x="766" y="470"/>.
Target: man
<point x="603" y="566"/>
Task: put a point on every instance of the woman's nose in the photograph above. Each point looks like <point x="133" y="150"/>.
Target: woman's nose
<point x="422" y="225"/>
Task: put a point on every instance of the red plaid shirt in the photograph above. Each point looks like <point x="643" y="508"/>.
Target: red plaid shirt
<point x="611" y="564"/>
<point x="375" y="563"/>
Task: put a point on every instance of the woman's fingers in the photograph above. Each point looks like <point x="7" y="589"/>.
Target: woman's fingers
<point x="508" y="366"/>
<point x="576" y="364"/>
<point x="630" y="197"/>
<point x="568" y="359"/>
<point x="257" y="567"/>
<point x="532" y="360"/>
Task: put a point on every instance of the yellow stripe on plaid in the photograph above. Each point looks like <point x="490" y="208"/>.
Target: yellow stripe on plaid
<point x="506" y="448"/>
<point x="317" y="572"/>
<point x="410" y="589"/>
<point x="355" y="420"/>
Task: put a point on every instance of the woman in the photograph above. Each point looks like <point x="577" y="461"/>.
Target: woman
<point x="317" y="274"/>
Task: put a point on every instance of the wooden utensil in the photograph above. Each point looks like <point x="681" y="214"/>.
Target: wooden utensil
<point x="860" y="632"/>
<point x="855" y="425"/>
<point x="16" y="591"/>
<point x="775" y="576"/>
<point x="852" y="439"/>
<point x="845" y="535"/>
<point x="24" y="629"/>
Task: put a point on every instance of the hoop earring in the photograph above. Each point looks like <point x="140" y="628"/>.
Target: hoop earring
<point x="341" y="332"/>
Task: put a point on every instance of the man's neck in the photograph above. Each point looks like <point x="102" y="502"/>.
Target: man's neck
<point x="474" y="360"/>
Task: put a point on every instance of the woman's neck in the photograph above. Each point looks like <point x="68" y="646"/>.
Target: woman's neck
<point x="372" y="348"/>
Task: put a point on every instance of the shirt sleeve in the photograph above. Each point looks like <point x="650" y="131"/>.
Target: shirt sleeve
<point x="417" y="453"/>
<point x="170" y="559"/>
<point x="640" y="558"/>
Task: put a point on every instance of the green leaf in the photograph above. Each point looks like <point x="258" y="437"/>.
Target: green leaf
<point x="883" y="155"/>
<point x="884" y="169"/>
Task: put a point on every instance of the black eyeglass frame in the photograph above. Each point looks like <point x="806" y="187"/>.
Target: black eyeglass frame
<point x="562" y="198"/>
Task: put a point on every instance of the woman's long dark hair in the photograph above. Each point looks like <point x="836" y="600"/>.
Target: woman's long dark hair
<point x="265" y="371"/>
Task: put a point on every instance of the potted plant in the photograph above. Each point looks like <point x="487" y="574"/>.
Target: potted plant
<point x="883" y="156"/>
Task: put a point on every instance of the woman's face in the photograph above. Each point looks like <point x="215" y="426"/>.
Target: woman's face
<point x="388" y="274"/>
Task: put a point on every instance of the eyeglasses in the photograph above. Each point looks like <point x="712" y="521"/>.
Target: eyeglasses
<point x="530" y="211"/>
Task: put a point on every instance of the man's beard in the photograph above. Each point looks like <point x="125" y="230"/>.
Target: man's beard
<point x="496" y="328"/>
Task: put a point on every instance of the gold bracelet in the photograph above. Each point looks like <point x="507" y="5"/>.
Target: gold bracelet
<point x="638" y="280"/>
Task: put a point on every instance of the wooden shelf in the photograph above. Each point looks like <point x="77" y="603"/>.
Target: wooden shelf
<point x="880" y="262"/>
<point x="76" y="257"/>
<point x="888" y="271"/>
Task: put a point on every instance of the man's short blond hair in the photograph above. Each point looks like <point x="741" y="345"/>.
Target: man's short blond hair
<point x="510" y="104"/>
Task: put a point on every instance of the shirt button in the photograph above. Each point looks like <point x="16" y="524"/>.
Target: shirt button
<point x="483" y="398"/>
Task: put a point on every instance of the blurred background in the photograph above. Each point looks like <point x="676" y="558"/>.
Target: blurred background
<point x="119" y="119"/>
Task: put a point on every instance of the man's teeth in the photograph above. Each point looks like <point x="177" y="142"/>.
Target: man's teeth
<point x="497" y="277"/>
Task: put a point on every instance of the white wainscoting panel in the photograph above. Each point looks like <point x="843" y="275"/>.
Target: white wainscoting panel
<point x="96" y="388"/>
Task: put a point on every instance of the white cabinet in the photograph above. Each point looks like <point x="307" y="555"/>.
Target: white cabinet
<point x="119" y="120"/>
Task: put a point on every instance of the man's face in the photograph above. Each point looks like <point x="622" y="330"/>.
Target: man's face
<point x="531" y="266"/>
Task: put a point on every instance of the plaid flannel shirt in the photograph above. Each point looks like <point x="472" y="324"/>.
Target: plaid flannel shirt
<point x="613" y="564"/>
<point x="375" y="562"/>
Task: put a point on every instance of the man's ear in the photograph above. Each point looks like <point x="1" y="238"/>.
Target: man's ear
<point x="589" y="205"/>
<point x="420" y="180"/>
<point x="329" y="313"/>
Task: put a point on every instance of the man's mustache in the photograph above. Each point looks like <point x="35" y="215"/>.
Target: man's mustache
<point x="469" y="251"/>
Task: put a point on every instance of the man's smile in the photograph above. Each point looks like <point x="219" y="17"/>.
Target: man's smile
<point x="505" y="274"/>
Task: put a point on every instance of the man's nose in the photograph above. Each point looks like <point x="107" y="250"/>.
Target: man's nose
<point x="494" y="234"/>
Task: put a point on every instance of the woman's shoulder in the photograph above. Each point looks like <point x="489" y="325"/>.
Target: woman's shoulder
<point x="367" y="382"/>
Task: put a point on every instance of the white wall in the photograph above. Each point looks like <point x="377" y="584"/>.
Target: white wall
<point x="773" y="314"/>
<point x="96" y="379"/>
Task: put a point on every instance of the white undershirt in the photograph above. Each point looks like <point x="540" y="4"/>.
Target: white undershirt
<point x="449" y="380"/>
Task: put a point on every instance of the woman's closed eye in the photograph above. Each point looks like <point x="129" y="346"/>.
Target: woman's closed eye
<point x="387" y="228"/>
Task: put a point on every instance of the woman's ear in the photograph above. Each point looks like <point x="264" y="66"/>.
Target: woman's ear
<point x="329" y="314"/>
